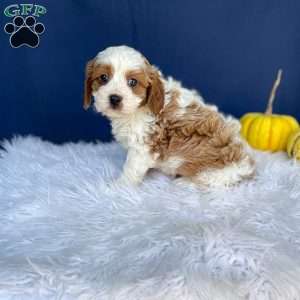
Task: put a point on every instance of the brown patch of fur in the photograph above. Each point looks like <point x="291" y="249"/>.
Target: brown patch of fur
<point x="155" y="93"/>
<point x="199" y="135"/>
<point x="92" y="80"/>
<point x="142" y="82"/>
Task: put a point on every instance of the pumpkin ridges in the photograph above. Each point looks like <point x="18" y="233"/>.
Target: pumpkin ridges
<point x="272" y="138"/>
<point x="254" y="129"/>
<point x="287" y="129"/>
<point x="245" y="121"/>
<point x="251" y="128"/>
<point x="276" y="134"/>
<point x="284" y="134"/>
<point x="260" y="122"/>
<point x="270" y="134"/>
<point x="265" y="133"/>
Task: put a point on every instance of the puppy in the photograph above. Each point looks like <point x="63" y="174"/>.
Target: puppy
<point x="162" y="124"/>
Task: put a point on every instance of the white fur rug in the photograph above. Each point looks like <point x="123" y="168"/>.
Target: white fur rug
<point x="65" y="233"/>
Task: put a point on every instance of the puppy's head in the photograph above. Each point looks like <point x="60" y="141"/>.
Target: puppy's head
<point x="122" y="81"/>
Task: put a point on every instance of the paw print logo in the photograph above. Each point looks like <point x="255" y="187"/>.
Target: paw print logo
<point x="24" y="32"/>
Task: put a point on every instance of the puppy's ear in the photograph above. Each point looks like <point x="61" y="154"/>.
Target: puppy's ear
<point x="88" y="84"/>
<point x="155" y="91"/>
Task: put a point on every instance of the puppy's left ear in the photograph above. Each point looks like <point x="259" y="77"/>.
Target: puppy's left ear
<point x="155" y="91"/>
<point x="88" y="84"/>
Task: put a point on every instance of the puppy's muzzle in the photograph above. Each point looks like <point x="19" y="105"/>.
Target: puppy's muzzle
<point x="115" y="100"/>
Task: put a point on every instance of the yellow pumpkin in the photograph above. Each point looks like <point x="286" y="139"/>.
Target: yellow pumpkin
<point x="268" y="131"/>
<point x="293" y="145"/>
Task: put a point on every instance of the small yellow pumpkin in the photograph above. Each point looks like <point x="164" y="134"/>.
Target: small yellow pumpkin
<point x="268" y="131"/>
<point x="293" y="145"/>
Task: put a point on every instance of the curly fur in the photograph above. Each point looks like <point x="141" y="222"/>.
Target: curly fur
<point x="165" y="126"/>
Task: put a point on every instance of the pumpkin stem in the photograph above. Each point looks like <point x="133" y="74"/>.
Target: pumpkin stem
<point x="269" y="109"/>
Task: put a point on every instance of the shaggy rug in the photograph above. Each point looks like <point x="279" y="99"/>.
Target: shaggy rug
<point x="68" y="232"/>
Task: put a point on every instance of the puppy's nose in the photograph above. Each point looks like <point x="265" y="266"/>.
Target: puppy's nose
<point x="115" y="100"/>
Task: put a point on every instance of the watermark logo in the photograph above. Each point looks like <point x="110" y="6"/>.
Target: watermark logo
<point x="24" y="30"/>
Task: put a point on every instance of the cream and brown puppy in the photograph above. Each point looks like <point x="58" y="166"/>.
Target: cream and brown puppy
<point x="162" y="124"/>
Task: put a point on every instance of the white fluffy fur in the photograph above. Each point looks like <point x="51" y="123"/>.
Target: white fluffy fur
<point x="132" y="124"/>
<point x="64" y="234"/>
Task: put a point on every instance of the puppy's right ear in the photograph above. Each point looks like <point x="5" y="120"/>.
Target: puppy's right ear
<point x="88" y="83"/>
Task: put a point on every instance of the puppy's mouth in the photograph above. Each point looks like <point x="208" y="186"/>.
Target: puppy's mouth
<point x="115" y="107"/>
<point x="109" y="110"/>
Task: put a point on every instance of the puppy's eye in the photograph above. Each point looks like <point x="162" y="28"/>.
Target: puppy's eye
<point x="132" y="82"/>
<point x="104" y="78"/>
